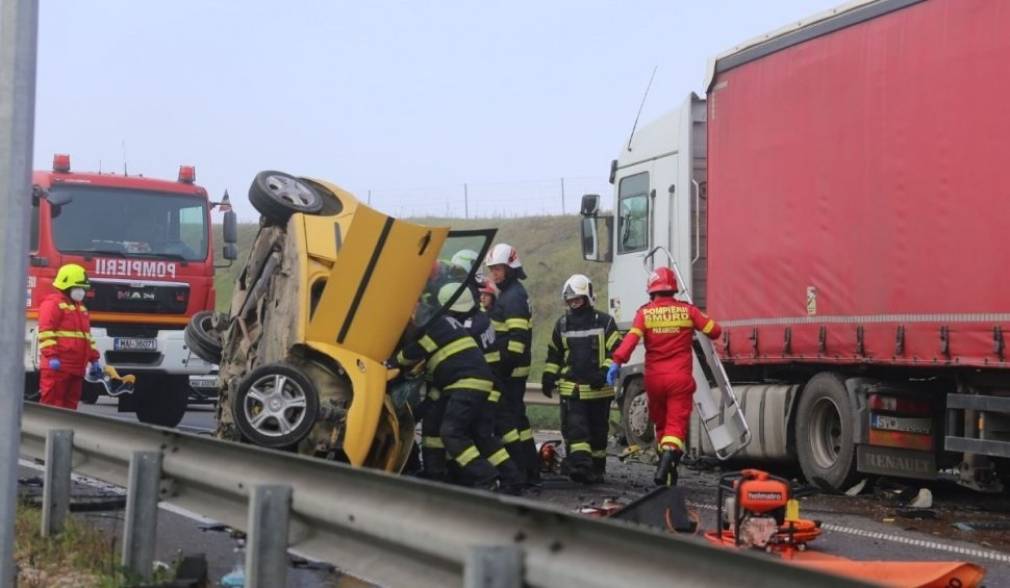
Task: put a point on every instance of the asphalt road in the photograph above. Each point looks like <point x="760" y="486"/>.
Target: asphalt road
<point x="867" y="527"/>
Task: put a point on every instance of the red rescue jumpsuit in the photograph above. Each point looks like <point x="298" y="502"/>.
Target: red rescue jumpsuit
<point x="64" y="334"/>
<point x="668" y="326"/>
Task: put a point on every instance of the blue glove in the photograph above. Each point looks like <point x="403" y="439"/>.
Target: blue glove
<point x="95" y="371"/>
<point x="54" y="364"/>
<point x="612" y="373"/>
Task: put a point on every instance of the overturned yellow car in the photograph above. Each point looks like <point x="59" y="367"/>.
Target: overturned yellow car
<point x="330" y="290"/>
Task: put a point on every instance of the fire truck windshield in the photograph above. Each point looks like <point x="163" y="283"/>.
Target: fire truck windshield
<point x="127" y="222"/>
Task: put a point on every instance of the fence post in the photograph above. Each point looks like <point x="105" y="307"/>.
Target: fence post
<point x="466" y="201"/>
<point x="56" y="481"/>
<point x="266" y="555"/>
<point x="494" y="566"/>
<point x="562" y="195"/>
<point x="141" y="526"/>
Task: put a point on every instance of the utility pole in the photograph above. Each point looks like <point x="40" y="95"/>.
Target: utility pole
<point x="562" y="195"/>
<point x="466" y="201"/>
<point x="369" y="197"/>
<point x="19" y="23"/>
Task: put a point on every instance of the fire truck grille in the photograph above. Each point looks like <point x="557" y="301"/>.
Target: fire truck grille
<point x="145" y="297"/>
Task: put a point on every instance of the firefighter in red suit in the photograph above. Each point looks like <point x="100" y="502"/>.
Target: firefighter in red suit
<point x="668" y="326"/>
<point x="65" y="341"/>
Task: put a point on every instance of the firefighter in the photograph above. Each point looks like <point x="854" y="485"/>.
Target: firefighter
<point x="511" y="316"/>
<point x="463" y="382"/>
<point x="66" y="346"/>
<point x="578" y="358"/>
<point x="667" y="326"/>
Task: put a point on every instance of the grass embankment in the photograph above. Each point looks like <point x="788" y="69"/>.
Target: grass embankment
<point x="548" y="247"/>
<point x="79" y="557"/>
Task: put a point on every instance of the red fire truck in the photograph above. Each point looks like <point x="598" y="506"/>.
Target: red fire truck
<point x="147" y="246"/>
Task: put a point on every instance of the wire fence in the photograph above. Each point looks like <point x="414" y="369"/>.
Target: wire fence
<point x="488" y="199"/>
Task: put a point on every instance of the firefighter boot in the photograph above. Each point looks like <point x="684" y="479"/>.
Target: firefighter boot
<point x="666" y="472"/>
<point x="599" y="470"/>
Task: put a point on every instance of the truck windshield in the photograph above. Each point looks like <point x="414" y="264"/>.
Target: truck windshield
<point x="134" y="223"/>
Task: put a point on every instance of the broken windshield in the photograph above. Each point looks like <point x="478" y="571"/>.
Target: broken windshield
<point x="458" y="261"/>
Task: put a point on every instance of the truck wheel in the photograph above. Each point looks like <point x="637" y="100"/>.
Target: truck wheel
<point x="202" y="339"/>
<point x="276" y="406"/>
<point x="277" y="195"/>
<point x="161" y="400"/>
<point x="825" y="426"/>
<point x="90" y="393"/>
<point x="635" y="415"/>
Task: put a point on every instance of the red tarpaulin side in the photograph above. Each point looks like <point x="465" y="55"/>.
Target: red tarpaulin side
<point x="871" y="164"/>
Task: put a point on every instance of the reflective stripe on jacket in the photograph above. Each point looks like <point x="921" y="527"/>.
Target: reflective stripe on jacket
<point x="65" y="334"/>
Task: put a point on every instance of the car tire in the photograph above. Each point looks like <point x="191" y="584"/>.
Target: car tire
<point x="275" y="406"/>
<point x="161" y="400"/>
<point x="638" y="429"/>
<point x="825" y="431"/>
<point x="202" y="339"/>
<point x="277" y="195"/>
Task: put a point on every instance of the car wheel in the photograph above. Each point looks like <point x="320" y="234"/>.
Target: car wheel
<point x="825" y="429"/>
<point x="277" y="195"/>
<point x="202" y="339"/>
<point x="161" y="400"/>
<point x="638" y="428"/>
<point x="276" y="406"/>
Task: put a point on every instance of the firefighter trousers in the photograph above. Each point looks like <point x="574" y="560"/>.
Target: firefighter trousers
<point x="433" y="461"/>
<point x="585" y="425"/>
<point x="670" y="402"/>
<point x="61" y="389"/>
<point x="513" y="426"/>
<point x="464" y="434"/>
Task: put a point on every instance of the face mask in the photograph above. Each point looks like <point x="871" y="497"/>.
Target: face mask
<point x="77" y="294"/>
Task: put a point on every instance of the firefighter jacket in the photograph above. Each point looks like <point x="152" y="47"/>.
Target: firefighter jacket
<point x="65" y="334"/>
<point x="668" y="327"/>
<point x="480" y="328"/>
<point x="512" y="316"/>
<point x="578" y="354"/>
<point x="453" y="360"/>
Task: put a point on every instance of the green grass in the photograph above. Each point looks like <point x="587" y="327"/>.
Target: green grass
<point x="548" y="247"/>
<point x="79" y="557"/>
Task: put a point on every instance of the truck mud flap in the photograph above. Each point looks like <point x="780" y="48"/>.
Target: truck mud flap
<point x="894" y="461"/>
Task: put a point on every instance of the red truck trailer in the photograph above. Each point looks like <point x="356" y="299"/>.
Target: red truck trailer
<point x="846" y="224"/>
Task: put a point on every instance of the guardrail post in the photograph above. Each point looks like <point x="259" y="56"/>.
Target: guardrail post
<point x="141" y="525"/>
<point x="266" y="551"/>
<point x="56" y="481"/>
<point x="494" y="566"/>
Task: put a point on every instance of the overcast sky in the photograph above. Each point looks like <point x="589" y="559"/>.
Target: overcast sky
<point x="408" y="99"/>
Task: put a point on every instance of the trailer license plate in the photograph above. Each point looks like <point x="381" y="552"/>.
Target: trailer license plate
<point x="134" y="344"/>
<point x="886" y="422"/>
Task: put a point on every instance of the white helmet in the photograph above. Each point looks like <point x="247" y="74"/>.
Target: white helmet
<point x="464" y="303"/>
<point x="577" y="285"/>
<point x="464" y="258"/>
<point x="503" y="254"/>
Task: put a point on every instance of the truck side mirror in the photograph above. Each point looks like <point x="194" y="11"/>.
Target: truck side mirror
<point x="230" y="251"/>
<point x="230" y="229"/>
<point x="590" y="204"/>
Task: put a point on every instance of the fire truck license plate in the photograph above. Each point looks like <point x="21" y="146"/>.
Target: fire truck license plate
<point x="923" y="426"/>
<point x="134" y="344"/>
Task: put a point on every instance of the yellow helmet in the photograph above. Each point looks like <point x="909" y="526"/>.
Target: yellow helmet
<point x="71" y="276"/>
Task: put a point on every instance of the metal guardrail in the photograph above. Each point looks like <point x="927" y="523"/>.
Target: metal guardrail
<point x="382" y="528"/>
<point x="535" y="396"/>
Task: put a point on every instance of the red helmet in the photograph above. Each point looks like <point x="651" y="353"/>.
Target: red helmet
<point x="662" y="280"/>
<point x="486" y="286"/>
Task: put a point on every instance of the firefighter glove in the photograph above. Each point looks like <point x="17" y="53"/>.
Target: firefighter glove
<point x="612" y="373"/>
<point x="54" y="364"/>
<point x="547" y="385"/>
